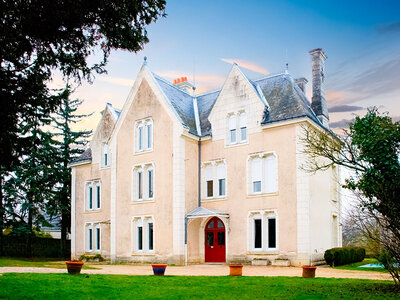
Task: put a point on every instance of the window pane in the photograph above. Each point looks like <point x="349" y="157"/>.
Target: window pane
<point x="150" y="236"/>
<point x="140" y="138"/>
<point x="221" y="183"/>
<point x="210" y="238"/>
<point x="256" y="186"/>
<point x="150" y="173"/>
<point x="220" y="224"/>
<point x="105" y="159"/>
<point x="140" y="237"/>
<point x="257" y="234"/>
<point x="209" y="188"/>
<point x="221" y="238"/>
<point x="221" y="171"/>
<point x="256" y="169"/>
<point x="98" y="195"/>
<point x="140" y="193"/>
<point x="232" y="122"/>
<point x="90" y="197"/>
<point x="90" y="238"/>
<point x="233" y="135"/>
<point x="243" y="133"/>
<point x="149" y="141"/>
<point x="242" y="120"/>
<point x="271" y="233"/>
<point x="97" y="238"/>
<point x="270" y="174"/>
<point x="211" y="224"/>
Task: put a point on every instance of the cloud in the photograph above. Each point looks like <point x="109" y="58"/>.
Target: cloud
<point x="117" y="81"/>
<point x="344" y="108"/>
<point x="341" y="124"/>
<point x="389" y="28"/>
<point x="247" y="65"/>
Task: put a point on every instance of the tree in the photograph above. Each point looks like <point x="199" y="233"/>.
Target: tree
<point x="40" y="36"/>
<point x="69" y="145"/>
<point x="30" y="183"/>
<point x="370" y="148"/>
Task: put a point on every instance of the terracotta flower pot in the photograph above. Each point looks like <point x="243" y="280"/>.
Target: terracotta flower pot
<point x="235" y="270"/>
<point x="159" y="269"/>
<point x="74" y="266"/>
<point x="309" y="271"/>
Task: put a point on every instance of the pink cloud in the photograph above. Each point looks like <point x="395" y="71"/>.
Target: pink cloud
<point x="247" y="65"/>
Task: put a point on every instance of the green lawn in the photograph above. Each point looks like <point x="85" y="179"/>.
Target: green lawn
<point x="355" y="266"/>
<point x="64" y="286"/>
<point x="35" y="262"/>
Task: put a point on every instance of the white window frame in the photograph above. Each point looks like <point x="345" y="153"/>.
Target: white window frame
<point x="144" y="170"/>
<point x="265" y="181"/>
<point x="93" y="226"/>
<point x="235" y="121"/>
<point x="105" y="163"/>
<point x="97" y="237"/>
<point x="264" y="216"/>
<point x="210" y="173"/>
<point x="94" y="184"/>
<point x="144" y="140"/>
<point x="142" y="221"/>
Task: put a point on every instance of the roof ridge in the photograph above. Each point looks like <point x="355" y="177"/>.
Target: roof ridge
<point x="170" y="84"/>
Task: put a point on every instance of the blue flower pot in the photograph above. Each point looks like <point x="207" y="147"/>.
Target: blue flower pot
<point x="159" y="269"/>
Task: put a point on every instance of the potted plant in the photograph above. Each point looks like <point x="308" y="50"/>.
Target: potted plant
<point x="159" y="269"/>
<point x="74" y="266"/>
<point x="235" y="270"/>
<point x="309" y="271"/>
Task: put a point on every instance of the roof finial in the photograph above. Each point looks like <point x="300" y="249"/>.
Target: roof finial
<point x="145" y="60"/>
<point x="287" y="69"/>
<point x="287" y="62"/>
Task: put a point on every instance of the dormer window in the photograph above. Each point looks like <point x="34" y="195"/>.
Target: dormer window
<point x="144" y="135"/>
<point x="237" y="125"/>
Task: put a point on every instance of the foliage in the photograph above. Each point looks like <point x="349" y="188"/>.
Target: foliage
<point x="370" y="148"/>
<point x="96" y="257"/>
<point x="342" y="256"/>
<point x="64" y="286"/>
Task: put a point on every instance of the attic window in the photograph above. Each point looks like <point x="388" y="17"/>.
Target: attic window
<point x="237" y="128"/>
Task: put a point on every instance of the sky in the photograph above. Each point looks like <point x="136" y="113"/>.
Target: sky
<point x="204" y="38"/>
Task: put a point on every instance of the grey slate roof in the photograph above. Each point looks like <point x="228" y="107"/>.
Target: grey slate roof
<point x="201" y="212"/>
<point x="85" y="156"/>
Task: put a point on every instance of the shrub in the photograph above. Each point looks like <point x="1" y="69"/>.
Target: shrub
<point x="343" y="256"/>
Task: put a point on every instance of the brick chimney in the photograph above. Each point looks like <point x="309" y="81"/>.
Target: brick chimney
<point x="318" y="103"/>
<point x="183" y="84"/>
<point x="301" y="82"/>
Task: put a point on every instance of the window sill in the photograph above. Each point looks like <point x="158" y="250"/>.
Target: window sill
<point x="142" y="201"/>
<point x="263" y="252"/>
<point x="214" y="199"/>
<point x="105" y="167"/>
<point x="143" y="151"/>
<point x="236" y="144"/>
<point x="258" y="195"/>
<point x="93" y="210"/>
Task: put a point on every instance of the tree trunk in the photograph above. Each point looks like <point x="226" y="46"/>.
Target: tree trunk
<point x="64" y="231"/>
<point x="30" y="225"/>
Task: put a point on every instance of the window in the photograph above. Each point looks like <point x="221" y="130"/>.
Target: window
<point x="144" y="135"/>
<point x="243" y="128"/>
<point x="237" y="125"/>
<point x="214" y="179"/>
<point x="264" y="231"/>
<point x="106" y="157"/>
<point x="143" y="234"/>
<point x="232" y="129"/>
<point x="263" y="176"/>
<point x="93" y="237"/>
<point x="93" y="195"/>
<point x="143" y="182"/>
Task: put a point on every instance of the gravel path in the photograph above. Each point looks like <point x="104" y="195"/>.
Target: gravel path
<point x="208" y="270"/>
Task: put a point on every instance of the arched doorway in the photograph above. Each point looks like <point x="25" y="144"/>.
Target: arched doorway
<point x="214" y="243"/>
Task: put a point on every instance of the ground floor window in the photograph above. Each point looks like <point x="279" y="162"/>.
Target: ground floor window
<point x="263" y="231"/>
<point x="143" y="234"/>
<point x="93" y="237"/>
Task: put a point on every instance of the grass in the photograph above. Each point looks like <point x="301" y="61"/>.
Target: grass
<point x="355" y="266"/>
<point x="35" y="262"/>
<point x="64" y="286"/>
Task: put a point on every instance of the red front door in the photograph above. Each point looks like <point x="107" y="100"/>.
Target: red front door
<point x="214" y="241"/>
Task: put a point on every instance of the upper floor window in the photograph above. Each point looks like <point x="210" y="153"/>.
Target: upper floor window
<point x="143" y="182"/>
<point x="263" y="177"/>
<point x="215" y="179"/>
<point x="93" y="195"/>
<point x="237" y="124"/>
<point x="144" y="135"/>
<point x="143" y="234"/>
<point x="105" y="162"/>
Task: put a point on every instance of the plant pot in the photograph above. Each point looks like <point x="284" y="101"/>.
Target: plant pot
<point x="235" y="270"/>
<point x="74" y="266"/>
<point x="159" y="269"/>
<point x="309" y="271"/>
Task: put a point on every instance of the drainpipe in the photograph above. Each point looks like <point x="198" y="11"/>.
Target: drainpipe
<point x="186" y="254"/>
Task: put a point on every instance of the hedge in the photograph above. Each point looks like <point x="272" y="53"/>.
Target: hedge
<point x="342" y="256"/>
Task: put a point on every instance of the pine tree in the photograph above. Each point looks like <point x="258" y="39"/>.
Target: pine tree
<point x="28" y="187"/>
<point x="70" y="144"/>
